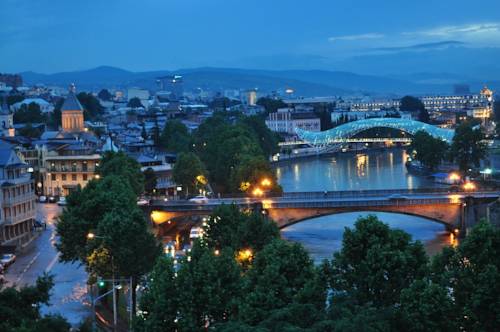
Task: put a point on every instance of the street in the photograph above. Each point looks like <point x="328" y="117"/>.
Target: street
<point x="68" y="297"/>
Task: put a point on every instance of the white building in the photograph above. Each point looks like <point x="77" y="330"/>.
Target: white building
<point x="285" y="120"/>
<point x="17" y="196"/>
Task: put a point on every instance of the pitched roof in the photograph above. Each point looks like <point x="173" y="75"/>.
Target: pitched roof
<point x="71" y="102"/>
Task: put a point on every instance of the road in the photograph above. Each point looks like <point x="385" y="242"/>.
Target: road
<point x="69" y="295"/>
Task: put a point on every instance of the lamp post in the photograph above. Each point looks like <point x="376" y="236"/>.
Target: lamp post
<point x="91" y="236"/>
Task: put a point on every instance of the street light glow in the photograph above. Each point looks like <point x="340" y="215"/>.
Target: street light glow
<point x="266" y="182"/>
<point x="469" y="186"/>
<point x="257" y="192"/>
<point x="90" y="236"/>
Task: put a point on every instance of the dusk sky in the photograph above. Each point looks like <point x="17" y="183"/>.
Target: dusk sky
<point x="60" y="35"/>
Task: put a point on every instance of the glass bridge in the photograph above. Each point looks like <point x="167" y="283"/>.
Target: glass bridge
<point x="346" y="131"/>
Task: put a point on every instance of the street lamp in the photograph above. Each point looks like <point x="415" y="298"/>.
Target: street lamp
<point x="469" y="186"/>
<point x="266" y="182"/>
<point x="257" y="192"/>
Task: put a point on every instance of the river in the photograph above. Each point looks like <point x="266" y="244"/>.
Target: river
<point x="381" y="169"/>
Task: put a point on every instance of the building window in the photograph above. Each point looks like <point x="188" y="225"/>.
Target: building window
<point x="73" y="177"/>
<point x="53" y="177"/>
<point x="63" y="177"/>
<point x="84" y="166"/>
<point x="73" y="167"/>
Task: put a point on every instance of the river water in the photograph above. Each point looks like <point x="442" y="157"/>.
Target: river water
<point x="382" y="169"/>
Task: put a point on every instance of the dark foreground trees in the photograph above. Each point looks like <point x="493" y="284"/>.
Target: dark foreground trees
<point x="122" y="245"/>
<point x="381" y="280"/>
<point x="20" y="309"/>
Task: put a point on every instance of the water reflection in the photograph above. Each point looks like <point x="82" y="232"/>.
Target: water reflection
<point x="323" y="236"/>
<point x="356" y="171"/>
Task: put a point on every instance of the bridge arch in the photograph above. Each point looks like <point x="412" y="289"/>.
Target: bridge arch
<point x="350" y="129"/>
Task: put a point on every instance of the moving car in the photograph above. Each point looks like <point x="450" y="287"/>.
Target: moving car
<point x="199" y="199"/>
<point x="62" y="201"/>
<point x="395" y="197"/>
<point x="7" y="259"/>
<point x="52" y="199"/>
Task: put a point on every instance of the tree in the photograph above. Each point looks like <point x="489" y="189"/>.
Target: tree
<point x="426" y="306"/>
<point x="472" y="273"/>
<point x="134" y="103"/>
<point x="175" y="137"/>
<point x="159" y="301"/>
<point x="144" y="133"/>
<point x="104" y="95"/>
<point x="210" y="285"/>
<point x="29" y="114"/>
<point x="411" y="104"/>
<point x="149" y="181"/>
<point x="186" y="170"/>
<point x="430" y="151"/>
<point x="119" y="164"/>
<point x="423" y="115"/>
<point x="252" y="170"/>
<point x="20" y="309"/>
<point x="228" y="227"/>
<point x="271" y="105"/>
<point x="30" y="131"/>
<point x="93" y="109"/>
<point x="278" y="274"/>
<point x="376" y="263"/>
<point x="268" y="140"/>
<point x="467" y="147"/>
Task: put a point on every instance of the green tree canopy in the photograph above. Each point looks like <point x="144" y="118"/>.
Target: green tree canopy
<point x="30" y="113"/>
<point x="411" y="104"/>
<point x="121" y="165"/>
<point x="93" y="109"/>
<point x="134" y="103"/>
<point x="105" y="95"/>
<point x="467" y="148"/>
<point x="186" y="170"/>
<point x="20" y="309"/>
<point x="175" y="137"/>
<point x="376" y="263"/>
<point x="253" y="170"/>
<point x="271" y="105"/>
<point x="430" y="151"/>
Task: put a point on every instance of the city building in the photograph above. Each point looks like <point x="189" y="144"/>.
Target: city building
<point x="285" y="120"/>
<point x="72" y="113"/>
<point x="249" y="97"/>
<point x="172" y="85"/>
<point x="6" y="121"/>
<point x="17" y="197"/>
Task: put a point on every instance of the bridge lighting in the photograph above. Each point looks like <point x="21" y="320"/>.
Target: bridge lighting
<point x="257" y="192"/>
<point x="454" y="177"/>
<point x="266" y="182"/>
<point x="468" y="186"/>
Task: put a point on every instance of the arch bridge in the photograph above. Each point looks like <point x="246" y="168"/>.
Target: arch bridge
<point x="344" y="132"/>
<point x="456" y="210"/>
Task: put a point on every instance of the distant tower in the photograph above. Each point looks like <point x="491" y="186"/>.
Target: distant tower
<point x="72" y="112"/>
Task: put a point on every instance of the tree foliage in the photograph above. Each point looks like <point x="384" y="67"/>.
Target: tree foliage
<point x="134" y="103"/>
<point x="175" y="137"/>
<point x="271" y="105"/>
<point x="150" y="180"/>
<point x="93" y="109"/>
<point x="30" y="113"/>
<point x="430" y="151"/>
<point x="20" y="309"/>
<point x="467" y="148"/>
<point x="121" y="165"/>
<point x="186" y="170"/>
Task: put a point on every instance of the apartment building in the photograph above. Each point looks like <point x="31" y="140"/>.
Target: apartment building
<point x="285" y="120"/>
<point x="17" y="196"/>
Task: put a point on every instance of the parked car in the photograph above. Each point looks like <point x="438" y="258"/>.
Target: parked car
<point x="42" y="199"/>
<point x="62" y="201"/>
<point x="7" y="259"/>
<point x="199" y="199"/>
<point x="40" y="224"/>
<point x="142" y="202"/>
<point x="52" y="199"/>
<point x="195" y="233"/>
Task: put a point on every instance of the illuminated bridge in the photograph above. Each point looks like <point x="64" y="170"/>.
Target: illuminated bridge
<point x="456" y="210"/>
<point x="345" y="132"/>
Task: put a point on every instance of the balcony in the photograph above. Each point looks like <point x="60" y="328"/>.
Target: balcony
<point x="18" y="199"/>
<point x="12" y="220"/>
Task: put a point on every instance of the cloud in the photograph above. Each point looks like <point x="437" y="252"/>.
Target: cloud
<point x="372" y="35"/>
<point x="424" y="46"/>
<point x="460" y="31"/>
